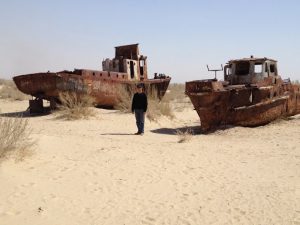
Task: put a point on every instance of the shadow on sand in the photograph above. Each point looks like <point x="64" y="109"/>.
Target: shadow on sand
<point x="25" y="114"/>
<point x="172" y="131"/>
<point x="118" y="134"/>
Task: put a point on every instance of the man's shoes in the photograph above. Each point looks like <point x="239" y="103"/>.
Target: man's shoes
<point x="137" y="133"/>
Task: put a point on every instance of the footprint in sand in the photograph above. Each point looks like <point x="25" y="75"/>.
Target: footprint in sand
<point x="86" y="210"/>
<point x="148" y="220"/>
<point x="19" y="194"/>
<point x="30" y="184"/>
<point x="65" y="169"/>
<point x="57" y="178"/>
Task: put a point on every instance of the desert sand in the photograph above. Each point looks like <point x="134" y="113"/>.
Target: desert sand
<point x="94" y="171"/>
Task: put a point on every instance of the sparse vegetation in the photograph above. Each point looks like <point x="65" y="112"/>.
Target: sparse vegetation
<point x="177" y="97"/>
<point x="8" y="90"/>
<point x="296" y="82"/>
<point x="14" y="137"/>
<point x="156" y="107"/>
<point x="184" y="136"/>
<point x="125" y="95"/>
<point x="74" y="106"/>
<point x="175" y="93"/>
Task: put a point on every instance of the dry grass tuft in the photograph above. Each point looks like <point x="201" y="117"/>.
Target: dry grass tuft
<point x="8" y="90"/>
<point x="296" y="82"/>
<point x="184" y="136"/>
<point x="125" y="95"/>
<point x="158" y="108"/>
<point x="14" y="137"/>
<point x="176" y="95"/>
<point x="74" y="106"/>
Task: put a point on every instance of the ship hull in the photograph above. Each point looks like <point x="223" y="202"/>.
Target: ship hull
<point x="103" y="86"/>
<point x="219" y="105"/>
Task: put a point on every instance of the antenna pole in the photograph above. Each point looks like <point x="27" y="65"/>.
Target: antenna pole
<point x="216" y="70"/>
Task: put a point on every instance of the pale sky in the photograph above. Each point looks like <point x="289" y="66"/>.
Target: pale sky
<point x="179" y="37"/>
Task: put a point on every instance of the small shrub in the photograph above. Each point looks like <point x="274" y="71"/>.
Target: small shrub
<point x="124" y="101"/>
<point x="184" y="136"/>
<point x="14" y="137"/>
<point x="157" y="107"/>
<point x="74" y="106"/>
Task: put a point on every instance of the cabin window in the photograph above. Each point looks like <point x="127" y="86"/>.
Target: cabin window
<point x="142" y="62"/>
<point x="257" y="67"/>
<point x="131" y="69"/>
<point x="242" y="68"/>
<point x="93" y="74"/>
<point x="114" y="64"/>
<point x="100" y="74"/>
<point x="266" y="70"/>
<point x="228" y="70"/>
<point x="142" y="67"/>
<point x="272" y="68"/>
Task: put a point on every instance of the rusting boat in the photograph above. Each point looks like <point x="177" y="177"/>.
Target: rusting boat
<point x="252" y="94"/>
<point x="124" y="71"/>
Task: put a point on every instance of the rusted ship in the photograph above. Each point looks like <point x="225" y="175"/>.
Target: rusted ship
<point x="124" y="71"/>
<point x="252" y="94"/>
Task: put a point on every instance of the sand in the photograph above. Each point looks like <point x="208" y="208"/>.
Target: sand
<point x="96" y="172"/>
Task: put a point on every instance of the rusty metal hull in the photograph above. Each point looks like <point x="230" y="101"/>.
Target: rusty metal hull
<point x="218" y="104"/>
<point x="104" y="86"/>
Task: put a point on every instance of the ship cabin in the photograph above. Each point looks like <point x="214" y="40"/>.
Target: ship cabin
<point x="129" y="61"/>
<point x="249" y="70"/>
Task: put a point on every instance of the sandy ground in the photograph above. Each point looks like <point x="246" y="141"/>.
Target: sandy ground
<point x="96" y="172"/>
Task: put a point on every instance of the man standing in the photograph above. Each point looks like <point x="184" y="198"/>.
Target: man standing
<point x="139" y="107"/>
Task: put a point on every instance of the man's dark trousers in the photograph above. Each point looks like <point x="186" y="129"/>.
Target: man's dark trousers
<point x="140" y="120"/>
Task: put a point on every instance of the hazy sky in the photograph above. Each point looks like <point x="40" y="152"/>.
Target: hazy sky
<point x="179" y="37"/>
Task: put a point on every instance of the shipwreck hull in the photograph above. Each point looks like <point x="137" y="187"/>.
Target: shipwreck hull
<point x="105" y="89"/>
<point x="106" y="86"/>
<point x="107" y="93"/>
<point x="253" y="105"/>
<point x="48" y="85"/>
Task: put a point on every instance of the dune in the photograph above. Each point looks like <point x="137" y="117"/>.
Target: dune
<point x="95" y="171"/>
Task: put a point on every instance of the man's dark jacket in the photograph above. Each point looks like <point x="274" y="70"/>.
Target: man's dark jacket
<point x="139" y="101"/>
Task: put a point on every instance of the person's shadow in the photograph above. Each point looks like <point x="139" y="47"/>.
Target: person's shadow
<point x="118" y="134"/>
